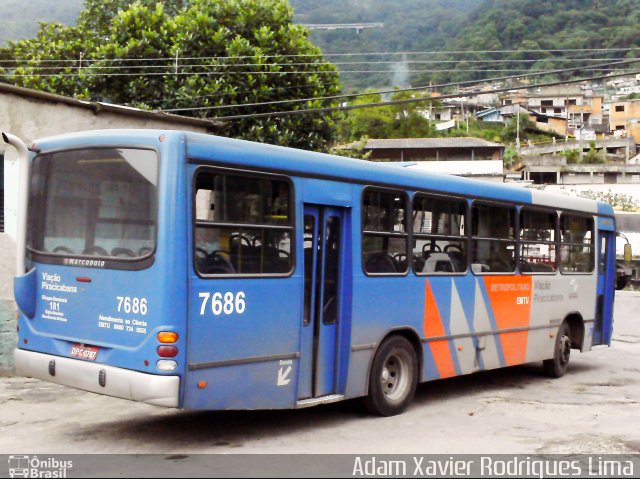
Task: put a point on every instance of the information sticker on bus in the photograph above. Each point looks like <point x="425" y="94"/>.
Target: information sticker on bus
<point x="88" y="353"/>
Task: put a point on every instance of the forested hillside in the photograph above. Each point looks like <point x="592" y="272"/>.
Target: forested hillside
<point x="19" y="18"/>
<point x="546" y="25"/>
<point x="409" y="26"/>
<point x="428" y="25"/>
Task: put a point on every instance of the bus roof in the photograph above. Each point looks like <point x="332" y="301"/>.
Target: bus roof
<point x="221" y="150"/>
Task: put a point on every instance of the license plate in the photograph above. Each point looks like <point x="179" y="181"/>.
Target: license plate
<point x="88" y="353"/>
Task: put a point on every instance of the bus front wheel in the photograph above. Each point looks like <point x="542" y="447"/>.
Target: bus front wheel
<point x="393" y="378"/>
<point x="557" y="366"/>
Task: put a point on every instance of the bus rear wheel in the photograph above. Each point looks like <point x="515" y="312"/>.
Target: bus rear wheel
<point x="393" y="378"/>
<point x="557" y="366"/>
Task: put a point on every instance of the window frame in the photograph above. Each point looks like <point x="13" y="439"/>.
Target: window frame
<point x="465" y="237"/>
<point x="515" y="241"/>
<point x="594" y="244"/>
<point x="195" y="223"/>
<point x="556" y="243"/>
<point x="364" y="233"/>
<point x="95" y="261"/>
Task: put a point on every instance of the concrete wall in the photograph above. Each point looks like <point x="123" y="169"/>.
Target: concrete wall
<point x="32" y="118"/>
<point x="581" y="178"/>
<point x="7" y="306"/>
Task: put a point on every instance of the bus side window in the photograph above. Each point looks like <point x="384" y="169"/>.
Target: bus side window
<point x="384" y="235"/>
<point x="493" y="238"/>
<point x="243" y="224"/>
<point x="537" y="240"/>
<point x="439" y="240"/>
<point x="576" y="243"/>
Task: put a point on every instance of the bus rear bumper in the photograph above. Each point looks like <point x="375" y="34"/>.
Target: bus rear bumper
<point x="116" y="382"/>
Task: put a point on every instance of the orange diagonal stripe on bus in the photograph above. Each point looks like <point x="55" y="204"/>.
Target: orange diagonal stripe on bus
<point x="434" y="328"/>
<point x="511" y="310"/>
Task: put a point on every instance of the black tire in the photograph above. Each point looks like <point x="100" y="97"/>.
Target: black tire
<point x="557" y="366"/>
<point x="393" y="378"/>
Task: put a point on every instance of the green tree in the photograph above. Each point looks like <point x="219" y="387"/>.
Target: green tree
<point x="401" y="120"/>
<point x="593" y="156"/>
<point x="510" y="131"/>
<point x="229" y="53"/>
<point x="510" y="156"/>
<point x="572" y="155"/>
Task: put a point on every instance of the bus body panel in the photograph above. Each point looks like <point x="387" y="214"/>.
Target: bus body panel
<point x="257" y="350"/>
<point x="118" y="311"/>
<point x="93" y="313"/>
<point x="243" y="333"/>
<point x="268" y="327"/>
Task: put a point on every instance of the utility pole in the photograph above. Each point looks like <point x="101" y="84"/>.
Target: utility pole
<point x="566" y="106"/>
<point x="464" y="115"/>
<point x="518" y="128"/>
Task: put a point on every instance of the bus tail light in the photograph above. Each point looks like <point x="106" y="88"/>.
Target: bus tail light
<point x="167" y="337"/>
<point x="167" y="351"/>
<point x="166" y="365"/>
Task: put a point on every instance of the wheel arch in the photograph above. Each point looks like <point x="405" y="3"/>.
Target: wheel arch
<point x="576" y="323"/>
<point x="410" y="335"/>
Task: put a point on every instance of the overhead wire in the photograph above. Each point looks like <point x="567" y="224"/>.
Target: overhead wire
<point x="428" y="87"/>
<point x="415" y="100"/>
<point x="173" y="66"/>
<point x="348" y="54"/>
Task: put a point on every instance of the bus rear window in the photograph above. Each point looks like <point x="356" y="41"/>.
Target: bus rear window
<point x="243" y="225"/>
<point x="94" y="202"/>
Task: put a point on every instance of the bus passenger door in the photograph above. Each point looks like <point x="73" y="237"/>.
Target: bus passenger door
<point x="606" y="287"/>
<point x="323" y="252"/>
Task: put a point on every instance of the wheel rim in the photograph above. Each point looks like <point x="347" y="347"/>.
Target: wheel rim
<point x="564" y="349"/>
<point x="395" y="376"/>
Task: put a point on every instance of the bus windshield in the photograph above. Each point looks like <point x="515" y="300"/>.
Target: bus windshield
<point x="94" y="202"/>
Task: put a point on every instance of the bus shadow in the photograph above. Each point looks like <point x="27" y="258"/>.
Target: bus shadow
<point x="495" y="380"/>
<point x="225" y="430"/>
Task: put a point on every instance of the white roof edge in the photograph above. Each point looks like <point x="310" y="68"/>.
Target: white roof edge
<point x="559" y="200"/>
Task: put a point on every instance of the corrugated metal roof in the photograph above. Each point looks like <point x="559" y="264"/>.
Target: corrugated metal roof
<point x="430" y="143"/>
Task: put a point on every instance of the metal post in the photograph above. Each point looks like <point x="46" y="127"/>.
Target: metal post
<point x="518" y="129"/>
<point x="23" y="194"/>
<point x="566" y="114"/>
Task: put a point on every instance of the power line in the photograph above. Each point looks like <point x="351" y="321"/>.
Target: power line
<point x="297" y="100"/>
<point x="281" y="72"/>
<point x="414" y="100"/>
<point x="299" y="87"/>
<point x="327" y="54"/>
<point x="279" y="102"/>
<point x="433" y="87"/>
<point x="236" y="93"/>
<point x="173" y="73"/>
<point x="408" y="62"/>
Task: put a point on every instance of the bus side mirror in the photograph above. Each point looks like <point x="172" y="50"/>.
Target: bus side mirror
<point x="627" y="253"/>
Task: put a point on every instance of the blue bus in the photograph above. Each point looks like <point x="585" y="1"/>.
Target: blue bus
<point x="200" y="272"/>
